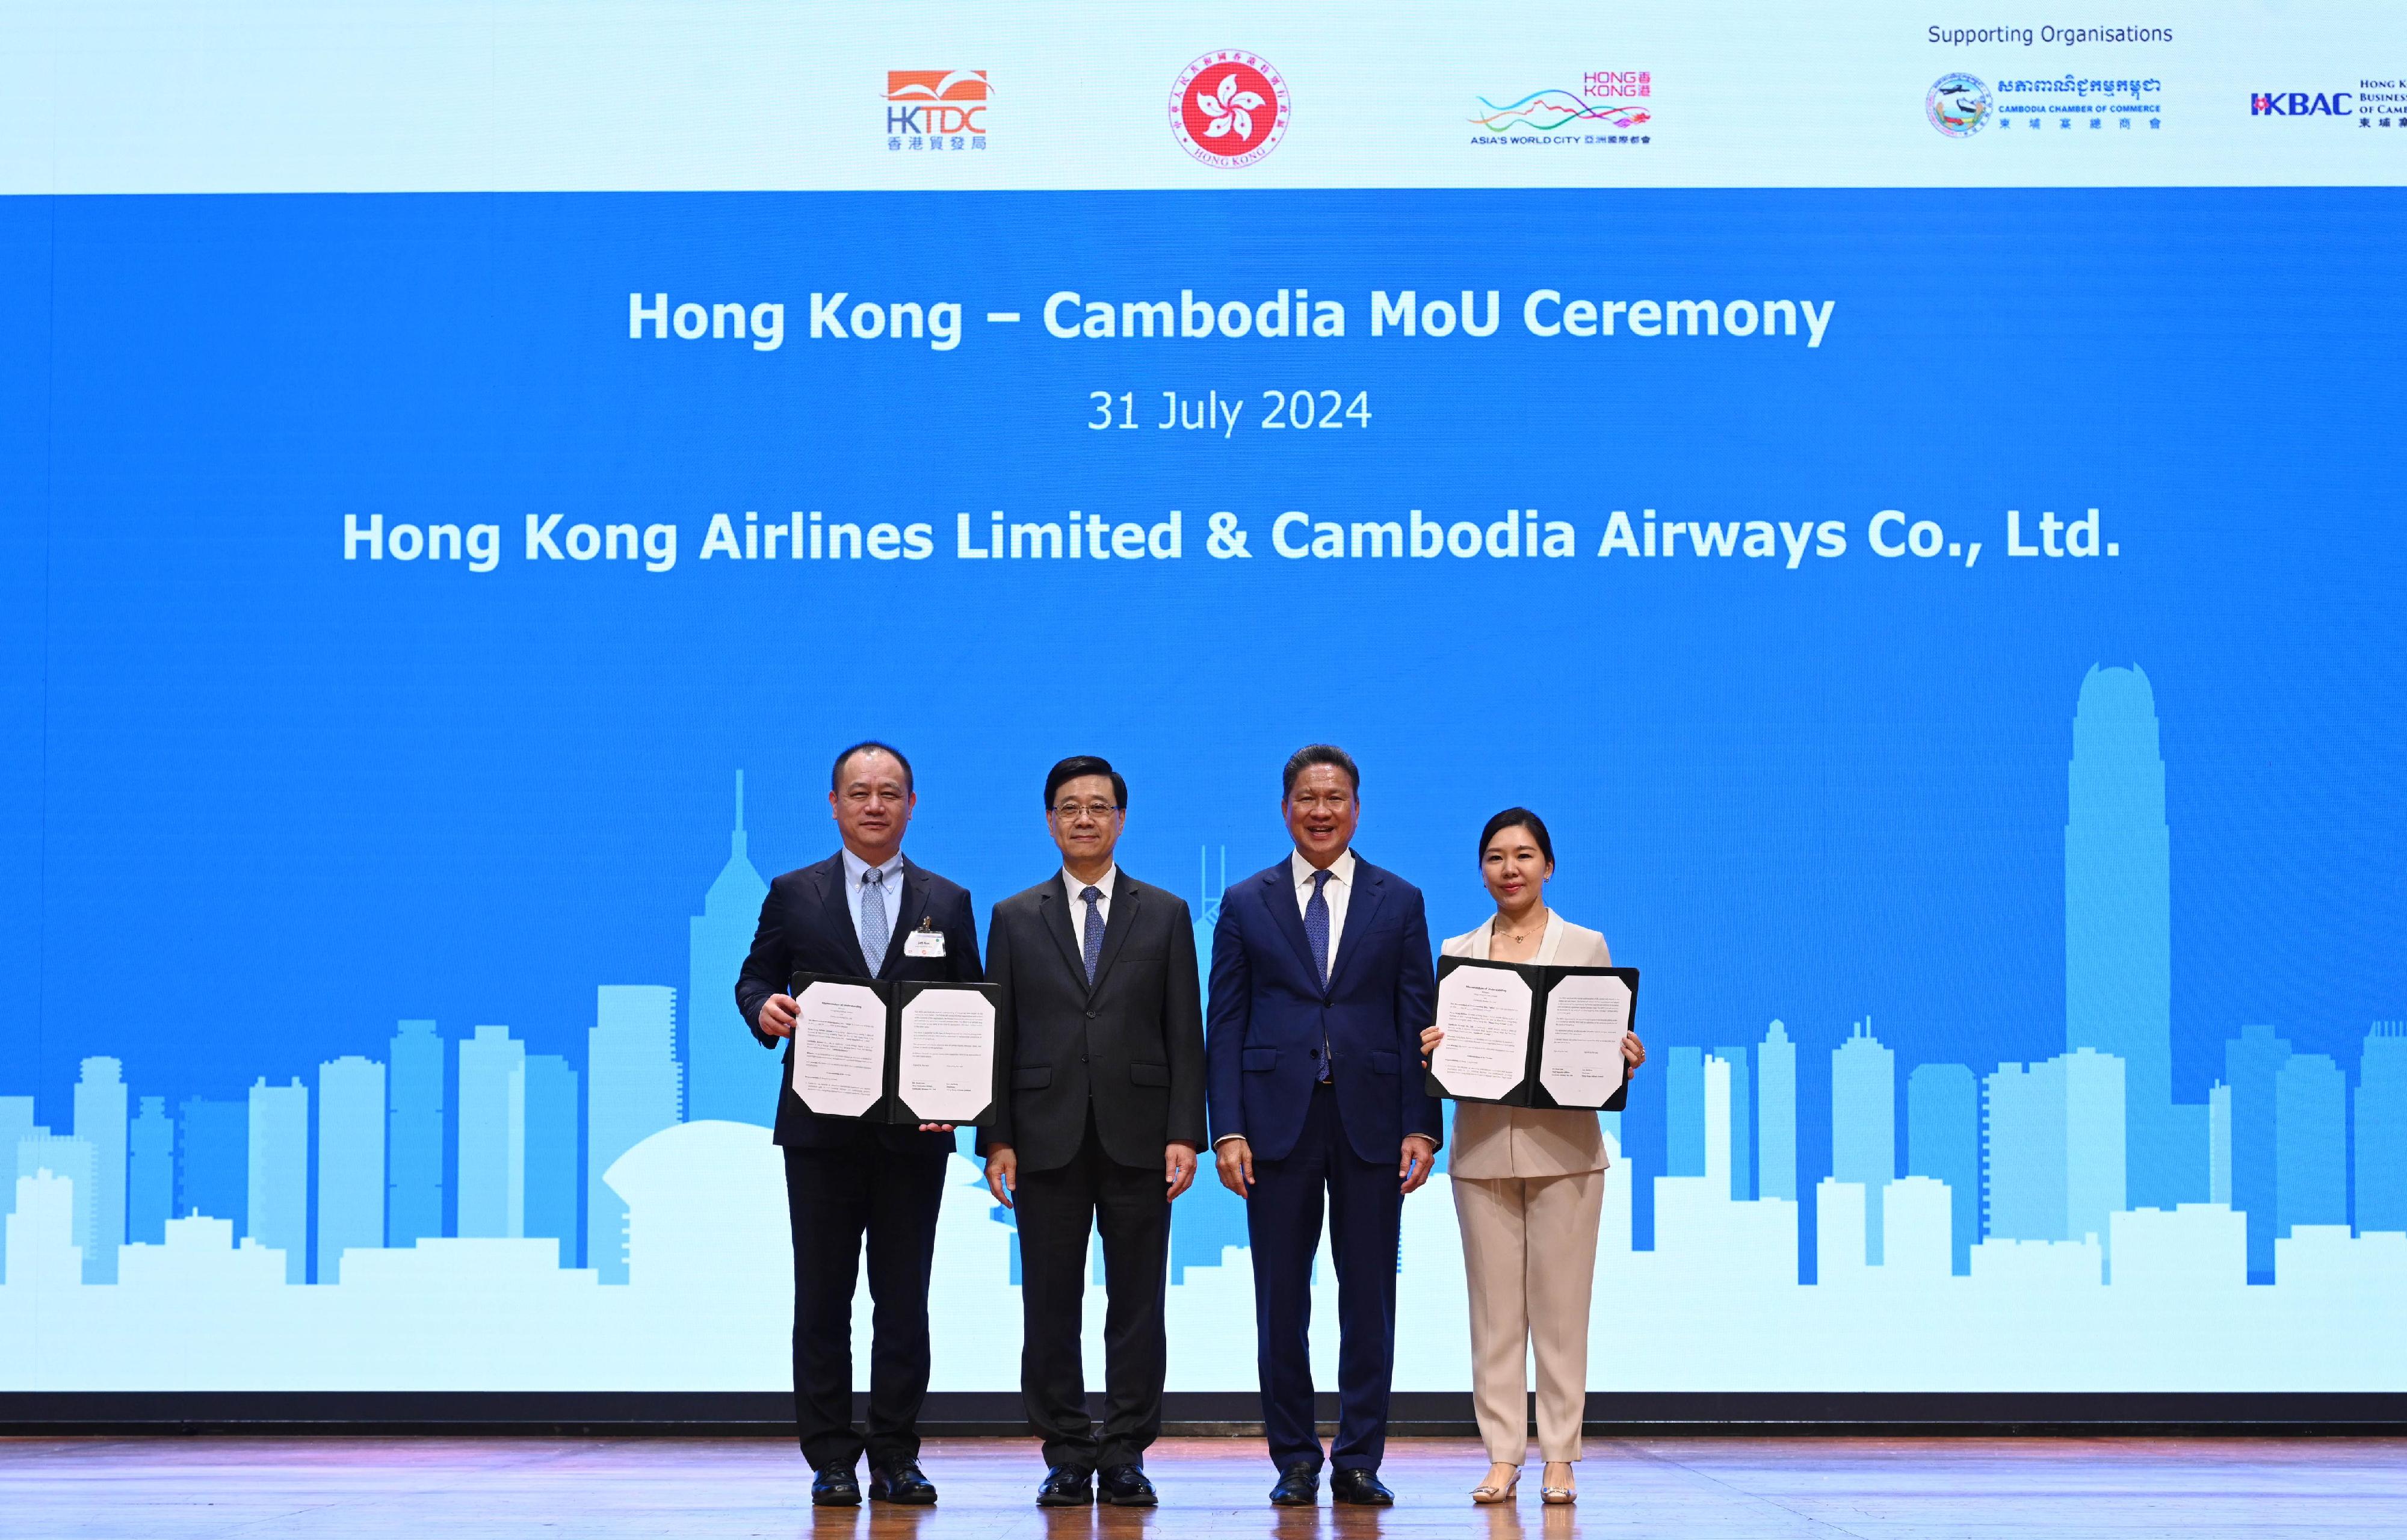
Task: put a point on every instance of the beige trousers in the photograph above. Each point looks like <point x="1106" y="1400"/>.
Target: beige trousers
<point x="1529" y="1252"/>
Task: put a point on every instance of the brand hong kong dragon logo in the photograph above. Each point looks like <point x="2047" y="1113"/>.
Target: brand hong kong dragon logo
<point x="1229" y="109"/>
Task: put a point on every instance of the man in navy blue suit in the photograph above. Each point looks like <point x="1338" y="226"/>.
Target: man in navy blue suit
<point x="1321" y="983"/>
<point x="855" y="1188"/>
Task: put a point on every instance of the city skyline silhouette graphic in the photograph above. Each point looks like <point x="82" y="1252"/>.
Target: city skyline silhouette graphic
<point x="465" y="1213"/>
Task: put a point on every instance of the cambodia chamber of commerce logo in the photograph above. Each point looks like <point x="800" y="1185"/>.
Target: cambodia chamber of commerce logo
<point x="931" y="109"/>
<point x="1957" y="104"/>
<point x="1612" y="107"/>
<point x="1229" y="109"/>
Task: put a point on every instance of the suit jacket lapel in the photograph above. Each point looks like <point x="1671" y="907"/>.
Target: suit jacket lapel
<point x="834" y="911"/>
<point x="1115" y="930"/>
<point x="1369" y="887"/>
<point x="1288" y="916"/>
<point x="1549" y="941"/>
<point x="1054" y="913"/>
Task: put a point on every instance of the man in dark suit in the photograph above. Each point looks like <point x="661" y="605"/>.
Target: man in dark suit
<point x="1321" y="983"/>
<point x="862" y="913"/>
<point x="1099" y="1006"/>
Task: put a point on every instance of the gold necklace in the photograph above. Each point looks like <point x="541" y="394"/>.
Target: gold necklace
<point x="1521" y="936"/>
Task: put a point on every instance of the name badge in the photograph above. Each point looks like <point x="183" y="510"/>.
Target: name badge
<point x="926" y="941"/>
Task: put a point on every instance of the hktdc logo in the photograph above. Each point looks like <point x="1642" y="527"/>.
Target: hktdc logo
<point x="2300" y="104"/>
<point x="1229" y="109"/>
<point x="931" y="106"/>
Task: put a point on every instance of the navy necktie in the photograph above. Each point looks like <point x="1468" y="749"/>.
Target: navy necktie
<point x="1094" y="940"/>
<point x="1316" y="926"/>
<point x="1315" y="930"/>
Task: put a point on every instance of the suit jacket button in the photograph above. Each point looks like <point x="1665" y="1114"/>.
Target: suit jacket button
<point x="1090" y="1015"/>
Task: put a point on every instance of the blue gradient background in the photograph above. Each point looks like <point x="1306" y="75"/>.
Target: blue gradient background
<point x="257" y="802"/>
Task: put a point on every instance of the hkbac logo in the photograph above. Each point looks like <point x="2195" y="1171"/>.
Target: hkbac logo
<point x="1229" y="109"/>
<point x="935" y="109"/>
<point x="1957" y="104"/>
<point x="2300" y="104"/>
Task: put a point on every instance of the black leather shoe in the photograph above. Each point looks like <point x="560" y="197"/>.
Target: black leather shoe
<point x="1298" y="1486"/>
<point x="1360" y="1486"/>
<point x="835" y="1487"/>
<point x="1064" y="1487"/>
<point x="900" y="1483"/>
<point x="1125" y="1486"/>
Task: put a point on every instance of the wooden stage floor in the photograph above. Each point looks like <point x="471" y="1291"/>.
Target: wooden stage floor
<point x="1696" y="1488"/>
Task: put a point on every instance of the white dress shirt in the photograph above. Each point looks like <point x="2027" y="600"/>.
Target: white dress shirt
<point x="1078" y="906"/>
<point x="1334" y="892"/>
<point x="854" y="870"/>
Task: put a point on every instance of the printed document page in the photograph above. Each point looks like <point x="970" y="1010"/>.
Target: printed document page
<point x="840" y="1049"/>
<point x="1485" y="1014"/>
<point x="946" y="1073"/>
<point x="1579" y="1064"/>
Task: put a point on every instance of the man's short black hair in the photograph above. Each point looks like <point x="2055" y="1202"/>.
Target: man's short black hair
<point x="870" y="746"/>
<point x="1318" y="753"/>
<point x="1083" y="765"/>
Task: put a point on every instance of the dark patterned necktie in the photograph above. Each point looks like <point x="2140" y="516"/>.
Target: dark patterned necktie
<point x="1094" y="942"/>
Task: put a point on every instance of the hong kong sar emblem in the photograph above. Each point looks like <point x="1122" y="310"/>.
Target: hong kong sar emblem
<point x="1229" y="109"/>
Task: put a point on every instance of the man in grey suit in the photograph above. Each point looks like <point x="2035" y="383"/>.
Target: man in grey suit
<point x="1100" y="1017"/>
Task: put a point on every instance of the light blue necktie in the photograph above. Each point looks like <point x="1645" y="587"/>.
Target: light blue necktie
<point x="873" y="931"/>
<point x="1094" y="943"/>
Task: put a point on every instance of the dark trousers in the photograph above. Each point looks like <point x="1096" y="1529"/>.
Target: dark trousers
<point x="1056" y="1210"/>
<point x="834" y="1198"/>
<point x="1365" y="1206"/>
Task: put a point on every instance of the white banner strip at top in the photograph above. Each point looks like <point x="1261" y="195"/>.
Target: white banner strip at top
<point x="101" y="97"/>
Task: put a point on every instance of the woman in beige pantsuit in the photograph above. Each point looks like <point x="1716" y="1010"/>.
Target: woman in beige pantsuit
<point x="1528" y="1187"/>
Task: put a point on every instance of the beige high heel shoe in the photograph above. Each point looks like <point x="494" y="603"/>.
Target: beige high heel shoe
<point x="1555" y="1497"/>
<point x="1488" y="1492"/>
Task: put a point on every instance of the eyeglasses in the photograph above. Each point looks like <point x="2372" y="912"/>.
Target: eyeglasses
<point x="1092" y="810"/>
